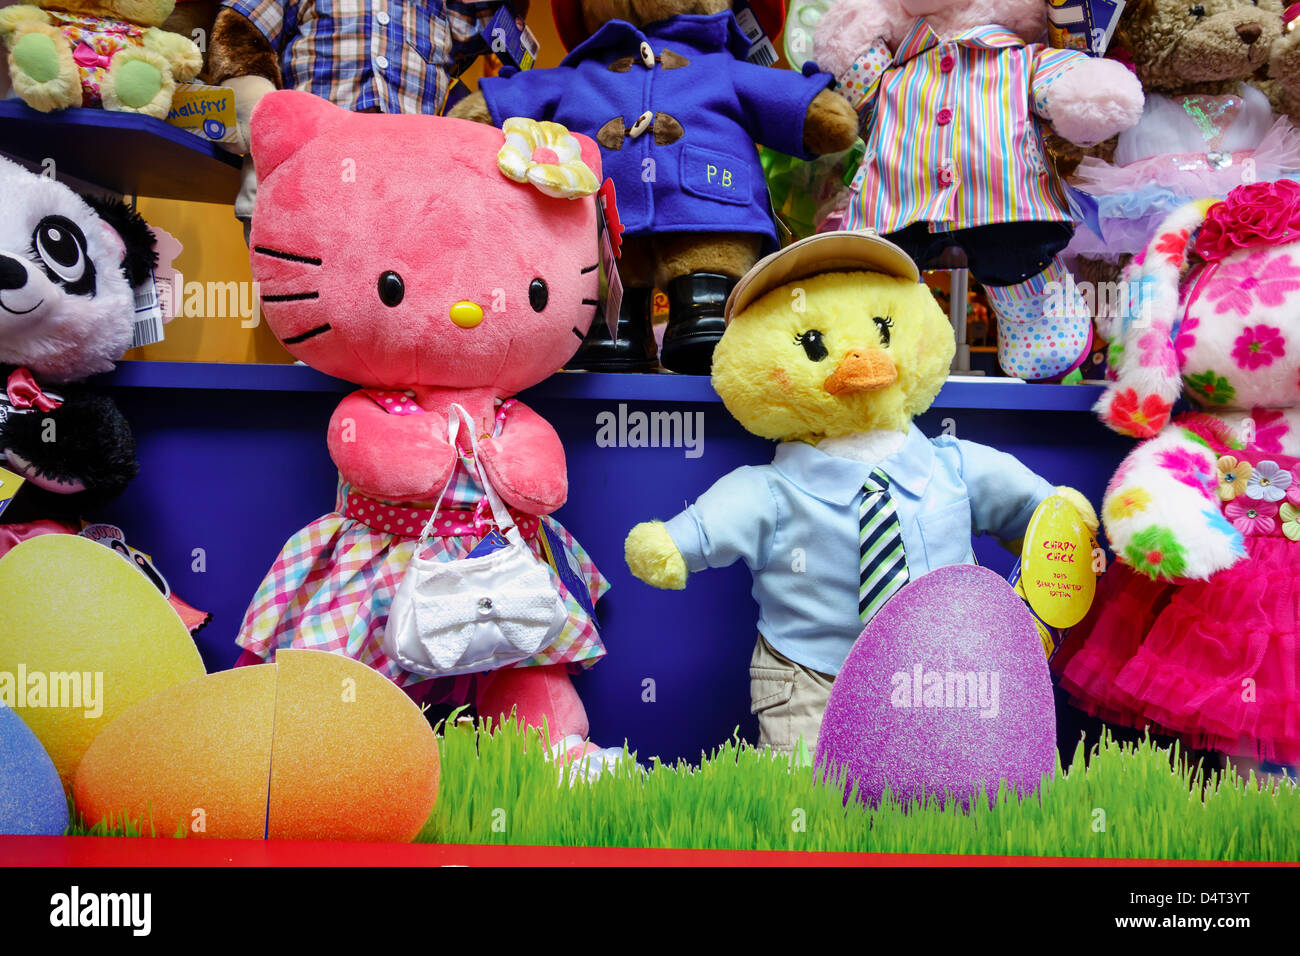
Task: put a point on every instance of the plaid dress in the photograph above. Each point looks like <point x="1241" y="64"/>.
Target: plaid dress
<point x="333" y="583"/>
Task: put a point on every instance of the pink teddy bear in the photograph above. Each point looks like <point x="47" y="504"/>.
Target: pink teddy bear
<point x="432" y="261"/>
<point x="952" y="95"/>
<point x="1195" y="628"/>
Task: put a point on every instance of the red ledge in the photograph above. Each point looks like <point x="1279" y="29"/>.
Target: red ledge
<point x="121" y="851"/>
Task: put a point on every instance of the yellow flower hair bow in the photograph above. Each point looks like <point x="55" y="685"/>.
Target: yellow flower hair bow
<point x="546" y="155"/>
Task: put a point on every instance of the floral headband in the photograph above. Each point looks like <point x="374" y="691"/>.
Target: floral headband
<point x="546" y="155"/>
<point x="1256" y="214"/>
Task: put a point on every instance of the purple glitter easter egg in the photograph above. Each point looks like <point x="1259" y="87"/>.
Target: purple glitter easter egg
<point x="945" y="689"/>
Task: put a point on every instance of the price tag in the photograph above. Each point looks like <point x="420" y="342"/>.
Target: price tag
<point x="10" y="482"/>
<point x="1057" y="564"/>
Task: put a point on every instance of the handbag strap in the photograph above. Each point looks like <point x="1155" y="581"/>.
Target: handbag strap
<point x="500" y="514"/>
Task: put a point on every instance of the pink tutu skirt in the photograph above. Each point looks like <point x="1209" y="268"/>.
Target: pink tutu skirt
<point x="1131" y="200"/>
<point x="1214" y="662"/>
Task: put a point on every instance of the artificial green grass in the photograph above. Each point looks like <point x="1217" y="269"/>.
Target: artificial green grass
<point x="1125" y="801"/>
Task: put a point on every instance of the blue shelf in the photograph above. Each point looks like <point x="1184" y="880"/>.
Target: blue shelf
<point x="124" y="152"/>
<point x="975" y="393"/>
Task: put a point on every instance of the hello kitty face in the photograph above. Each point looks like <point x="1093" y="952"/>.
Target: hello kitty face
<point x="391" y="250"/>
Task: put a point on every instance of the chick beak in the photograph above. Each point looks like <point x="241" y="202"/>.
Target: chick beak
<point x="862" y="370"/>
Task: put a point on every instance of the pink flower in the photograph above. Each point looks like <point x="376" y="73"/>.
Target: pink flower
<point x="1185" y="339"/>
<point x="1250" y="516"/>
<point x="1195" y="471"/>
<point x="1267" y="429"/>
<point x="1153" y="348"/>
<point x="1258" y="345"/>
<point x="1260" y="275"/>
<point x="1255" y="214"/>
<point x="1293" y="489"/>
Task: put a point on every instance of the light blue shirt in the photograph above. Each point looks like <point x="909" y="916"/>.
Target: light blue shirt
<point x="795" y="524"/>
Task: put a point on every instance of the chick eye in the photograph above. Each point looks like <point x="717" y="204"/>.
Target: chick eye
<point x="813" y="345"/>
<point x="1197" y="11"/>
<point x="62" y="248"/>
<point x="884" y="323"/>
<point x="538" y="294"/>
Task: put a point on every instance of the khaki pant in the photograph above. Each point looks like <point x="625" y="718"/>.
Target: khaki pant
<point x="788" y="698"/>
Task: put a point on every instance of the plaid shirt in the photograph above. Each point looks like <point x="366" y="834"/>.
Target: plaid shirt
<point x="394" y="57"/>
<point x="951" y="131"/>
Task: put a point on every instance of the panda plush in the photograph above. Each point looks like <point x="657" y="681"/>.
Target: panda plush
<point x="68" y="267"/>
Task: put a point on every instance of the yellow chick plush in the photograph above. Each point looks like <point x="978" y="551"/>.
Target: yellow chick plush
<point x="833" y="347"/>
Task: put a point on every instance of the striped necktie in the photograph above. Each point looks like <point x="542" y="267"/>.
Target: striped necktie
<point x="882" y="565"/>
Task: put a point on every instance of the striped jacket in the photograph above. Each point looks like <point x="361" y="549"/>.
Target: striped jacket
<point x="952" y="133"/>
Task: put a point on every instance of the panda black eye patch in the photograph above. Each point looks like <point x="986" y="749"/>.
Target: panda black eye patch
<point x="59" y="246"/>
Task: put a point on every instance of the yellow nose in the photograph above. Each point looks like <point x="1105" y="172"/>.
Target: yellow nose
<point x="467" y="314"/>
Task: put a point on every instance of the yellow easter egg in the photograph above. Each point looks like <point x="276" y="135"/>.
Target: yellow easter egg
<point x="83" y="636"/>
<point x="194" y="758"/>
<point x="1056" y="564"/>
<point x="354" y="758"/>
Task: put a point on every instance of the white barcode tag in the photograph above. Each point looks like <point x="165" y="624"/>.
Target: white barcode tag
<point x="148" y="327"/>
<point x="749" y="24"/>
<point x="761" y="51"/>
<point x="529" y="40"/>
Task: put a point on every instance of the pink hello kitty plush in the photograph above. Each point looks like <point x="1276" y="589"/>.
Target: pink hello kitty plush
<point x="1196" y="626"/>
<point x="432" y="261"/>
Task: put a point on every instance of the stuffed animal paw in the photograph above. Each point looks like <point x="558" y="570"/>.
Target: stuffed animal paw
<point x="1094" y="101"/>
<point x="653" y="557"/>
<point x="115" y="57"/>
<point x="1081" y="505"/>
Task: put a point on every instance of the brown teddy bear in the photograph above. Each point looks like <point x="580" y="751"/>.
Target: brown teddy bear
<point x="1204" y="130"/>
<point x="366" y="56"/>
<point x="1282" y="81"/>
<point x="664" y="87"/>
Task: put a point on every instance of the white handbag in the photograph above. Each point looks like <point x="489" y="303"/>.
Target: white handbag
<point x="473" y="614"/>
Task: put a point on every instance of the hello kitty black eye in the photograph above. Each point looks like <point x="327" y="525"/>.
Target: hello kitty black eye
<point x="814" y="346"/>
<point x="1197" y="11"/>
<point x="61" y="246"/>
<point x="538" y="294"/>
<point x="391" y="289"/>
<point x="884" y="323"/>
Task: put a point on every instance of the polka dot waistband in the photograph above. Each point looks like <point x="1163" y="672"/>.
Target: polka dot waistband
<point x="409" y="522"/>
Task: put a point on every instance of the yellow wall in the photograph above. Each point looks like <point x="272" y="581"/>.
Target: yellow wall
<point x="215" y="253"/>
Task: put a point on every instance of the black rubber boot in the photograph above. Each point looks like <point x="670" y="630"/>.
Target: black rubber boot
<point x="632" y="351"/>
<point x="695" y="322"/>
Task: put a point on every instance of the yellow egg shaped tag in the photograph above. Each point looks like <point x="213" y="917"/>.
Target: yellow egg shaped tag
<point x="1056" y="564"/>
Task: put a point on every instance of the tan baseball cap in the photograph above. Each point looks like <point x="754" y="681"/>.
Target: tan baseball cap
<point x="859" y="250"/>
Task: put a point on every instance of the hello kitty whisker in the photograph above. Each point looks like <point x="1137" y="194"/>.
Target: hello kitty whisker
<point x="586" y="269"/>
<point x="291" y="297"/>
<point x="581" y="337"/>
<point x="288" y="256"/>
<point x="304" y="336"/>
<point x="590" y="301"/>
